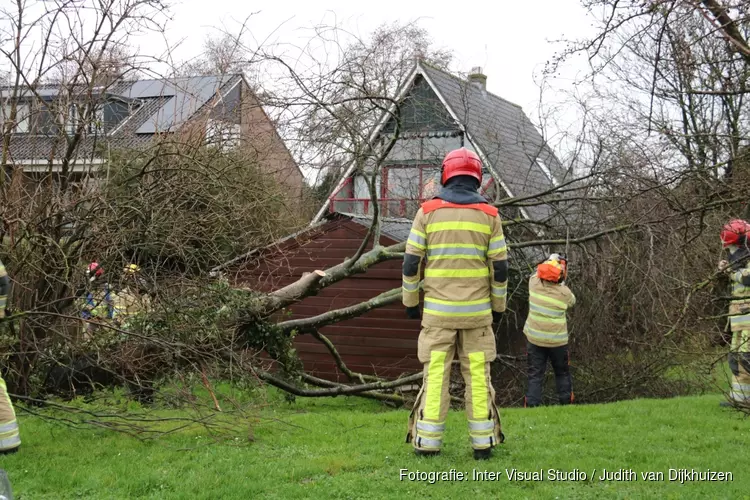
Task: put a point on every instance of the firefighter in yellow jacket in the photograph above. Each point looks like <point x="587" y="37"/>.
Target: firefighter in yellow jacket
<point x="546" y="330"/>
<point x="10" y="439"/>
<point x="130" y="299"/>
<point x="734" y="238"/>
<point x="460" y="238"/>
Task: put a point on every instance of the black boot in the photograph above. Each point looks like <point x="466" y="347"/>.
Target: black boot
<point x="426" y="453"/>
<point x="484" y="454"/>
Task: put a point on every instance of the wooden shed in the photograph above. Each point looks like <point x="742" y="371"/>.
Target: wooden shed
<point x="382" y="342"/>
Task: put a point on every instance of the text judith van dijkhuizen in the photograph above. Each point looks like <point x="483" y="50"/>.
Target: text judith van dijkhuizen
<point x="616" y="475"/>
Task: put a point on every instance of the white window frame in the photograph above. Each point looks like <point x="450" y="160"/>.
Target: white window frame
<point x="74" y="118"/>
<point x="23" y="113"/>
<point x="98" y="122"/>
<point x="22" y="117"/>
<point x="71" y="120"/>
<point x="224" y="135"/>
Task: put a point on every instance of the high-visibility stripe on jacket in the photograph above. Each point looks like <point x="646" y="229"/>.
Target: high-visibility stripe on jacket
<point x="739" y="305"/>
<point x="9" y="435"/>
<point x="546" y="324"/>
<point x="459" y="244"/>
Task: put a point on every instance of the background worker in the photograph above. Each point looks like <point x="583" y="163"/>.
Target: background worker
<point x="98" y="304"/>
<point x="10" y="438"/>
<point x="734" y="239"/>
<point x="131" y="298"/>
<point x="546" y="330"/>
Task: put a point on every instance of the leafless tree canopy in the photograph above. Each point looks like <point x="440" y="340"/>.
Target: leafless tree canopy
<point x="659" y="162"/>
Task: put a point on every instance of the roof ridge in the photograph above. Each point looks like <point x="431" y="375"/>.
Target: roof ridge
<point x="463" y="81"/>
<point x="168" y="78"/>
<point x="116" y="83"/>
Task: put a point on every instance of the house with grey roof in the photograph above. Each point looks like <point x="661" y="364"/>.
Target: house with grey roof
<point x="137" y="114"/>
<point x="440" y="112"/>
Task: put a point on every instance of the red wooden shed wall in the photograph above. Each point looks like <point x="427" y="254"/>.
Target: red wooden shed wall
<point x="381" y="342"/>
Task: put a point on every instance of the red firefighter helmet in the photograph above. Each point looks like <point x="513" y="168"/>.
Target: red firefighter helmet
<point x="94" y="270"/>
<point x="461" y="162"/>
<point x="735" y="232"/>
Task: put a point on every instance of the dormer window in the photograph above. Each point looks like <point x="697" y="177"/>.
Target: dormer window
<point x="22" y="118"/>
<point x="78" y="112"/>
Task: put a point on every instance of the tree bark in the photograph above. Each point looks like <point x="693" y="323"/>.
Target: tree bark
<point x="728" y="27"/>
<point x="330" y="317"/>
<point x="309" y="285"/>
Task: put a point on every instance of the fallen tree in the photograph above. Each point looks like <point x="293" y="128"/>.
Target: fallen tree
<point x="638" y="224"/>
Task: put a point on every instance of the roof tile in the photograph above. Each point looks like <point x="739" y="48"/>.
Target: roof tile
<point x="503" y="132"/>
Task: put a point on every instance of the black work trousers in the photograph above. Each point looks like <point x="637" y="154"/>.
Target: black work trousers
<point x="537" y="357"/>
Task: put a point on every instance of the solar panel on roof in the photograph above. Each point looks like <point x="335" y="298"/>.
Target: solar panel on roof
<point x="189" y="94"/>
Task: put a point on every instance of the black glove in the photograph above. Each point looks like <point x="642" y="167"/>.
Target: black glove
<point x="413" y="312"/>
<point x="496" y="317"/>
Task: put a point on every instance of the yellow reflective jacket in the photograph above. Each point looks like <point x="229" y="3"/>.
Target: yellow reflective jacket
<point x="128" y="304"/>
<point x="546" y="324"/>
<point x="739" y="306"/>
<point x="460" y="243"/>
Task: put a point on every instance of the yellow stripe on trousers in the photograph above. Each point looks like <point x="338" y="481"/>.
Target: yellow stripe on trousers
<point x="434" y="385"/>
<point x="478" y="386"/>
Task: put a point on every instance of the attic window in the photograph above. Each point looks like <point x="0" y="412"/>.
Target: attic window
<point x="223" y="135"/>
<point x="22" y="117"/>
<point x="78" y="113"/>
<point x="547" y="172"/>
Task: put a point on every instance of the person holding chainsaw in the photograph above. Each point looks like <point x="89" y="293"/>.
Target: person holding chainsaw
<point x="459" y="237"/>
<point x="546" y="330"/>
<point x="734" y="239"/>
<point x="10" y="438"/>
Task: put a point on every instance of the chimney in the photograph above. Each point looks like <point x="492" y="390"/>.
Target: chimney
<point x="476" y="77"/>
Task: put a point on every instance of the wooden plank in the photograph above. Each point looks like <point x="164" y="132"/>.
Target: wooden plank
<point x="341" y="298"/>
<point x="323" y="304"/>
<point x="374" y="273"/>
<point x="361" y="327"/>
<point x="365" y="352"/>
<point x="394" y="368"/>
<point x="358" y="359"/>
<point x="380" y="333"/>
<point x="395" y="312"/>
<point x="363" y="342"/>
<point x="330" y="372"/>
<point x="378" y="285"/>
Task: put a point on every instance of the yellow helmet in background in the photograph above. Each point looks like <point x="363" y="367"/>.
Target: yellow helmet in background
<point x="131" y="269"/>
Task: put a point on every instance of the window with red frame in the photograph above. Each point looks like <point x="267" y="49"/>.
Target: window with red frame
<point x="420" y="182"/>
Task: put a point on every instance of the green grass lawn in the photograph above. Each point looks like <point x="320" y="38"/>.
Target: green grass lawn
<point x="348" y="448"/>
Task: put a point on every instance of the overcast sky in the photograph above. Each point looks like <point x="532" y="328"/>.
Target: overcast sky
<point x="510" y="40"/>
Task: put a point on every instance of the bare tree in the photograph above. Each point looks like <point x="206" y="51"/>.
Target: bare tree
<point x="182" y="208"/>
<point x="223" y="54"/>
